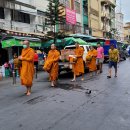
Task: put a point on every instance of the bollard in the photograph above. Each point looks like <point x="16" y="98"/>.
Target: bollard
<point x="1" y="76"/>
<point x="14" y="78"/>
<point x="35" y="72"/>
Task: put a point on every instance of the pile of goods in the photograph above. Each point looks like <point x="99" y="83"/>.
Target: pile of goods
<point x="67" y="55"/>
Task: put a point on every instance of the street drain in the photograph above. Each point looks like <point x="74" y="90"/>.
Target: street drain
<point x="35" y="100"/>
<point x="69" y="86"/>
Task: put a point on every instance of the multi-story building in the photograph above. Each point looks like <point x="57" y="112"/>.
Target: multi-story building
<point x="102" y="17"/>
<point x="81" y="8"/>
<point x="94" y="18"/>
<point x="127" y="32"/>
<point x="29" y="16"/>
<point x="119" y="26"/>
<point x="17" y="15"/>
<point x="108" y="18"/>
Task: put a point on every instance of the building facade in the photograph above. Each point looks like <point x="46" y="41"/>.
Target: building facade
<point x="119" y="26"/>
<point x="18" y="16"/>
<point x="102" y="17"/>
<point x="127" y="32"/>
<point x="81" y="8"/>
<point x="94" y="17"/>
<point x="108" y="18"/>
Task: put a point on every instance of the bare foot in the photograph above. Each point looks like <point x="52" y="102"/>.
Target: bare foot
<point x="82" y="79"/>
<point x="28" y="94"/>
<point x="73" y="80"/>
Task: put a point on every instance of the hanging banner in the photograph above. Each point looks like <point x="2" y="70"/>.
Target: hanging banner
<point x="70" y="16"/>
<point x="14" y="42"/>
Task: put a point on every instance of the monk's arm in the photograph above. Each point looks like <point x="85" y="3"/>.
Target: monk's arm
<point x="57" y="57"/>
<point x="30" y="58"/>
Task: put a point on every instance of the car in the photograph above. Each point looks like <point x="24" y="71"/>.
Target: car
<point x="65" y="65"/>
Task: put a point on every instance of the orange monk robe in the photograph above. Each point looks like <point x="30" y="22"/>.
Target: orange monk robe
<point x="53" y="57"/>
<point x="27" y="69"/>
<point x="78" y="67"/>
<point x="92" y="64"/>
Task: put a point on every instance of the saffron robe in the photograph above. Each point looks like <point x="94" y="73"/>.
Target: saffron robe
<point x="78" y="66"/>
<point x="27" y="69"/>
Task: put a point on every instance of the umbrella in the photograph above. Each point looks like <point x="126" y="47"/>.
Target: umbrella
<point x="47" y="44"/>
<point x="82" y="36"/>
<point x="72" y="41"/>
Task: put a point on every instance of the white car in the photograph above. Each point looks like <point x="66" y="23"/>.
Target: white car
<point x="65" y="66"/>
<point x="86" y="49"/>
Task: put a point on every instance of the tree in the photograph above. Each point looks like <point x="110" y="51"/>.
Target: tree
<point x="55" y="15"/>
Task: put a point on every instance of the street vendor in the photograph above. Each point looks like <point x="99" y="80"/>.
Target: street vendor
<point x="78" y="65"/>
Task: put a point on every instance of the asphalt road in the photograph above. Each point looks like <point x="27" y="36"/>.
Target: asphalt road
<point x="68" y="107"/>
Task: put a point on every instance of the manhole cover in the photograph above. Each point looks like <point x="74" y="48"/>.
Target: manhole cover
<point x="35" y="100"/>
<point x="69" y="86"/>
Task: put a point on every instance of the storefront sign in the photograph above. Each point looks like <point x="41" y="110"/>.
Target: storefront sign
<point x="15" y="42"/>
<point x="70" y="16"/>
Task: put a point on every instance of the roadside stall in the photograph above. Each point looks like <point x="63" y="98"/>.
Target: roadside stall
<point x="14" y="46"/>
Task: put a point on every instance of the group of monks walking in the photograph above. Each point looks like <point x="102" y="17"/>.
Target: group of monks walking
<point x="94" y="61"/>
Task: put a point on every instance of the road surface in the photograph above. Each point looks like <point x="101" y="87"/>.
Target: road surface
<point x="68" y="107"/>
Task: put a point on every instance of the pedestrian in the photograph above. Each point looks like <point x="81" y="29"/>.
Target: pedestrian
<point x="91" y="60"/>
<point x="7" y="69"/>
<point x="51" y="64"/>
<point x="78" y="66"/>
<point x="113" y="60"/>
<point x="16" y="65"/>
<point x="27" y="69"/>
<point x="44" y="56"/>
<point x="100" y="57"/>
<point x="36" y="60"/>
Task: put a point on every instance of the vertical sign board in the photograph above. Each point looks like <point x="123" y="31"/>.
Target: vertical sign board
<point x="70" y="16"/>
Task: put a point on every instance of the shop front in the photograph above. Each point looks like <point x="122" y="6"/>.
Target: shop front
<point x="13" y="45"/>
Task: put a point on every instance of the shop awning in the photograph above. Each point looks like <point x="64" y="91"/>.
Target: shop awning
<point x="17" y="42"/>
<point x="72" y="41"/>
<point x="47" y="44"/>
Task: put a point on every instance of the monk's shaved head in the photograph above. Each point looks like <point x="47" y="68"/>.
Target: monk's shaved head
<point x="53" y="46"/>
<point x="26" y="42"/>
<point x="77" y="44"/>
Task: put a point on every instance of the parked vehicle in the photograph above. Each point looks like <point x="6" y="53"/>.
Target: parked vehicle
<point x="122" y="50"/>
<point x="106" y="45"/>
<point x="65" y="65"/>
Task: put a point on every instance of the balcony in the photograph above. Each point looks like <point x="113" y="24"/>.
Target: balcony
<point x="105" y="15"/>
<point x="109" y="2"/>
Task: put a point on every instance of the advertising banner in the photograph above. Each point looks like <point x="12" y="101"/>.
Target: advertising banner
<point x="70" y="16"/>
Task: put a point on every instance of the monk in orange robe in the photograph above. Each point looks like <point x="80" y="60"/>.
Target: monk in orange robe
<point x="51" y="64"/>
<point x="91" y="60"/>
<point x="78" y="66"/>
<point x="27" y="69"/>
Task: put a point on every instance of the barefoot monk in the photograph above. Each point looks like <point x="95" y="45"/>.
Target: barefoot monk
<point x="51" y="64"/>
<point x="27" y="70"/>
<point x="78" y="66"/>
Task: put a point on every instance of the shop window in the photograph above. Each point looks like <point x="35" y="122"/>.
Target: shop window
<point x="2" y="15"/>
<point x="20" y="16"/>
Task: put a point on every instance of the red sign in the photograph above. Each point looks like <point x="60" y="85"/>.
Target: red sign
<point x="107" y="42"/>
<point x="70" y="16"/>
